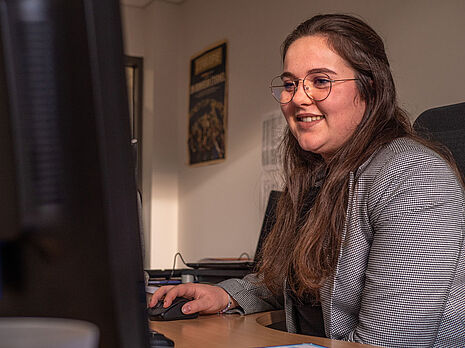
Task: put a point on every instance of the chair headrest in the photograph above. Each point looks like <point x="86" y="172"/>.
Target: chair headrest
<point x="445" y="124"/>
<point x="443" y="118"/>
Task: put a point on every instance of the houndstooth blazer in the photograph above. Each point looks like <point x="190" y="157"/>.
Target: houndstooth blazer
<point x="400" y="277"/>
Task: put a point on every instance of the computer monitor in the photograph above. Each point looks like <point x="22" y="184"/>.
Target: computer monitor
<point x="69" y="240"/>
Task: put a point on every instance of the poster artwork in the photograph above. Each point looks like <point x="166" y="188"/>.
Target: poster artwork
<point x="207" y="106"/>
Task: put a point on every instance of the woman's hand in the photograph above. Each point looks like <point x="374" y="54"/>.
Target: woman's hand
<point x="207" y="299"/>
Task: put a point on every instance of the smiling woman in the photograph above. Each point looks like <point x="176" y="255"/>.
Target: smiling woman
<point x="320" y="117"/>
<point x="370" y="230"/>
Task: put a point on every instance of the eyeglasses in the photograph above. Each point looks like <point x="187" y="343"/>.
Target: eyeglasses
<point x="317" y="86"/>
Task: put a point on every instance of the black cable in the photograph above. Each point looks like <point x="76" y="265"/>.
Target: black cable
<point x="247" y="256"/>
<point x="174" y="264"/>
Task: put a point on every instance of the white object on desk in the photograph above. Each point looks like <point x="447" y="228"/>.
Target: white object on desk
<point x="151" y="289"/>
<point x="187" y="278"/>
<point x="18" y="332"/>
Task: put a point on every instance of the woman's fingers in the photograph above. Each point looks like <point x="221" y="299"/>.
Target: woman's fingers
<point x="206" y="298"/>
<point x="195" y="306"/>
<point x="159" y="294"/>
<point x="170" y="292"/>
<point x="183" y="290"/>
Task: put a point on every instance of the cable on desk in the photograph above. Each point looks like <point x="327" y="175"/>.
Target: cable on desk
<point x="247" y="256"/>
<point x="174" y="264"/>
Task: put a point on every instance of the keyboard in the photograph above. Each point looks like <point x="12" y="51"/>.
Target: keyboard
<point x="158" y="340"/>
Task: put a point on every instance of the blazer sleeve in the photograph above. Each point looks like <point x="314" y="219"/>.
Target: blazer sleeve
<point x="416" y="212"/>
<point x="251" y="295"/>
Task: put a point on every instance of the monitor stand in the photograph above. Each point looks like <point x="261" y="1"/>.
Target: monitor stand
<point x="158" y="340"/>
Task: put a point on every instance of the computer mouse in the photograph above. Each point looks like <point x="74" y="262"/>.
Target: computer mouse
<point x="173" y="312"/>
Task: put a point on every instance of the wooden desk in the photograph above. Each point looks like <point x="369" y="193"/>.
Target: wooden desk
<point x="233" y="330"/>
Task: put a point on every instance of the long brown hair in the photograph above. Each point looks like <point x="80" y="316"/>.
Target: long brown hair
<point x="305" y="251"/>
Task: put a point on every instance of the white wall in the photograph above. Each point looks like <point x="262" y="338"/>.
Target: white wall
<point x="214" y="210"/>
<point x="152" y="32"/>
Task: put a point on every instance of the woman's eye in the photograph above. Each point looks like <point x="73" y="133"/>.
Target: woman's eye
<point x="288" y="86"/>
<point x="321" y="82"/>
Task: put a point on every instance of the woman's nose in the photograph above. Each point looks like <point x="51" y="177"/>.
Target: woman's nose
<point x="300" y="97"/>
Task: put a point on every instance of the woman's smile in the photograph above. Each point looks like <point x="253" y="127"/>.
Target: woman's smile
<point x="306" y="118"/>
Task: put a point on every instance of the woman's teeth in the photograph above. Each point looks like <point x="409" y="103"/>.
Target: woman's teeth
<point x="311" y="118"/>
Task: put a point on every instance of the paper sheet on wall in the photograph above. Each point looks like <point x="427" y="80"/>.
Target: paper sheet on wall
<point x="273" y="127"/>
<point x="272" y="134"/>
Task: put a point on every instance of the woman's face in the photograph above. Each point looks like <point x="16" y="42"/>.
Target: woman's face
<point x="321" y="127"/>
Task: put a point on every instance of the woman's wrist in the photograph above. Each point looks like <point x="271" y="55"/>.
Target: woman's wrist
<point x="228" y="306"/>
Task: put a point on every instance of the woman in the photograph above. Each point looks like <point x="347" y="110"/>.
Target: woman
<point x="368" y="243"/>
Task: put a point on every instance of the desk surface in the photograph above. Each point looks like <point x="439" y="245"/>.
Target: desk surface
<point x="233" y="330"/>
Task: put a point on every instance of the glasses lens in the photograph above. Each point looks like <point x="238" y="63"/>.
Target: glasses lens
<point x="282" y="90"/>
<point x="317" y="86"/>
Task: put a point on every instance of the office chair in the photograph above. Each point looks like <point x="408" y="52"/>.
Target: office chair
<point x="445" y="124"/>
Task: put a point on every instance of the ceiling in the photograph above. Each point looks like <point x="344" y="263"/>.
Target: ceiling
<point x="144" y="3"/>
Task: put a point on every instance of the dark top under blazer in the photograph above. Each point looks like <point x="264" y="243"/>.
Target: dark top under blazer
<point x="400" y="277"/>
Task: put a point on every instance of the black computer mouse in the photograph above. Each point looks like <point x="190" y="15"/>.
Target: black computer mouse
<point x="173" y="312"/>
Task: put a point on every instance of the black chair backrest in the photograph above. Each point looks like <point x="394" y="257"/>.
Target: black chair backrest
<point x="268" y="222"/>
<point x="445" y="124"/>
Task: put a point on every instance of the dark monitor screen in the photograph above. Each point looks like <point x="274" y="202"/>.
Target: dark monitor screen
<point x="69" y="241"/>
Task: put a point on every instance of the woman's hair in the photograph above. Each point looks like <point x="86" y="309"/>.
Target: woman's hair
<point x="305" y="250"/>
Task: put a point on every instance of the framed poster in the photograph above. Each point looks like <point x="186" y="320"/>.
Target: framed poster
<point x="207" y="124"/>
